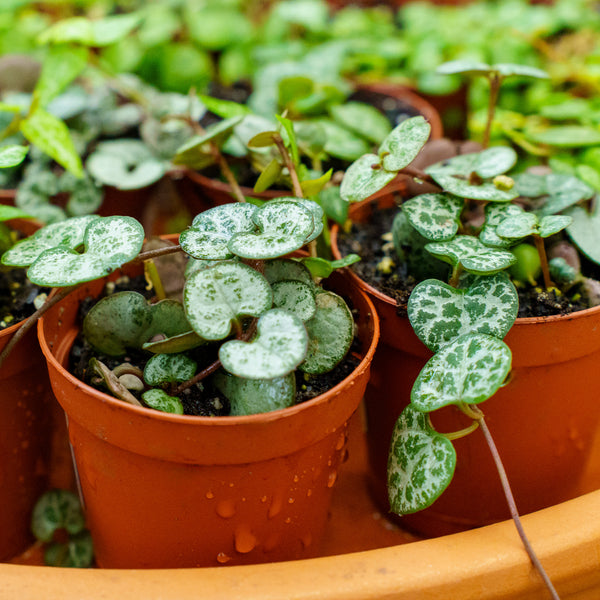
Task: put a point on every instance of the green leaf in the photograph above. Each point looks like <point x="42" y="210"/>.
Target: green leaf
<point x="270" y="175"/>
<point x="175" y="343"/>
<point x="323" y="268"/>
<point x="254" y="396"/>
<point x="52" y="137"/>
<point x="12" y="212"/>
<point x="210" y="232"/>
<point x="312" y="187"/>
<point x="67" y="234"/>
<point x="511" y="69"/>
<point x="78" y="552"/>
<point x="567" y="136"/>
<point x="435" y="216"/>
<point x="552" y="224"/>
<point x="284" y="226"/>
<point x="287" y="269"/>
<point x="330" y="333"/>
<point x="421" y="463"/>
<point x="404" y="143"/>
<point x="565" y="190"/>
<point x="160" y="400"/>
<point x="296" y="297"/>
<point x="216" y="298"/>
<point x="463" y="66"/>
<point x="279" y="347"/>
<point x="363" y="119"/>
<point x="439" y="313"/>
<point x="61" y="65"/>
<point x="56" y="509"/>
<point x="480" y="68"/>
<point x="169" y="368"/>
<point x="127" y="320"/>
<point x="468" y="370"/>
<point x="288" y="127"/>
<point x="495" y="214"/>
<point x="526" y="224"/>
<point x="475" y="257"/>
<point x="13" y="155"/>
<point x="364" y="178"/>
<point x="340" y="142"/>
<point x="109" y="243"/>
<point x="583" y="231"/>
<point x="225" y="109"/>
<point x="335" y="208"/>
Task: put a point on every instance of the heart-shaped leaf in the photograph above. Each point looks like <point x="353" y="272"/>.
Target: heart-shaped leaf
<point x="404" y="143"/>
<point x="440" y="313"/>
<point x="421" y="463"/>
<point x="210" y="232"/>
<point x="472" y="255"/>
<point x="494" y="215"/>
<point x="13" y="155"/>
<point x="255" y="396"/>
<point x="330" y="332"/>
<point x="315" y="210"/>
<point x="160" y="400"/>
<point x="56" y="509"/>
<point x="218" y="297"/>
<point x="169" y="368"/>
<point x="77" y="552"/>
<point x="295" y="296"/>
<point x="435" y="216"/>
<point x="126" y="320"/>
<point x="363" y="119"/>
<point x="525" y="224"/>
<point x="279" y="347"/>
<point x="364" y="177"/>
<point x="287" y="269"/>
<point x="469" y="369"/>
<point x="284" y="226"/>
<point x="109" y="243"/>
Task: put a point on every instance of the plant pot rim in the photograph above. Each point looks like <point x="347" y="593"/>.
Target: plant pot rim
<point x="486" y="563"/>
<point x="227" y="421"/>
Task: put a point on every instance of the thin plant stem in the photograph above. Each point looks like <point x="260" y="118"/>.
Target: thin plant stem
<point x="541" y="249"/>
<point x="495" y="81"/>
<point x="152" y="254"/>
<point x="476" y="414"/>
<point x="215" y="366"/>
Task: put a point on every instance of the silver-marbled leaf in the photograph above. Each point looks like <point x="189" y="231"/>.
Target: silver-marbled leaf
<point x="435" y="216"/>
<point x="160" y="400"/>
<point x="364" y="177"/>
<point x="169" y="368"/>
<point x="403" y="143"/>
<point x="295" y="296"/>
<point x="495" y="213"/>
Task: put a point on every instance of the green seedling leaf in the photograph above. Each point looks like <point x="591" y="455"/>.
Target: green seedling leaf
<point x="495" y="214"/>
<point x="435" y="216"/>
<point x="468" y="370"/>
<point x="363" y="119"/>
<point x="564" y="191"/>
<point x="174" y="344"/>
<point x="255" y="396"/>
<point x="288" y="127"/>
<point x="125" y="164"/>
<point x="312" y="187"/>
<point x="12" y="212"/>
<point x="567" y="136"/>
<point x="127" y="320"/>
<point x="287" y="269"/>
<point x="589" y="175"/>
<point x="440" y="313"/>
<point x="51" y="136"/>
<point x="472" y="255"/>
<point x="109" y="243"/>
<point x="295" y="296"/>
<point x="323" y="268"/>
<point x="421" y="463"/>
<point x="403" y="144"/>
<point x="364" y="177"/>
<point x="583" y="231"/>
<point x="284" y="226"/>
<point x="279" y="347"/>
<point x="331" y="201"/>
<point x="455" y="174"/>
<point x="218" y="297"/>
<point x="169" y="368"/>
<point x="225" y="109"/>
<point x="330" y="333"/>
<point x="78" y="552"/>
<point x="526" y="224"/>
<point x="62" y="64"/>
<point x="96" y="33"/>
<point x="340" y="142"/>
<point x="531" y="185"/>
<point x="269" y="176"/>
<point x="480" y="68"/>
<point x="160" y="400"/>
<point x="516" y="70"/>
<point x="55" y="510"/>
<point x="67" y="234"/>
<point x="13" y="155"/>
<point x="210" y="232"/>
<point x="454" y="67"/>
<point x="264" y="139"/>
<point x="197" y="152"/>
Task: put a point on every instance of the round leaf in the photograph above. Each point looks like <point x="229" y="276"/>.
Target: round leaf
<point x="56" y="509"/>
<point x="404" y="143"/>
<point x="160" y="400"/>
<point x="435" y="216"/>
<point x="470" y="369"/>
<point x="169" y="368"/>
<point x="296" y="297"/>
<point x="494" y="215"/>
<point x="279" y="347"/>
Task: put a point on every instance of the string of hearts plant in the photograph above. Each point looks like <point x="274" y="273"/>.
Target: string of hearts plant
<point x="237" y="286"/>
<point x="465" y="320"/>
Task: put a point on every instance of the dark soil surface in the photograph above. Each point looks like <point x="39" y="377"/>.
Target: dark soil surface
<point x="17" y="296"/>
<point x="366" y="240"/>
<point x="203" y="400"/>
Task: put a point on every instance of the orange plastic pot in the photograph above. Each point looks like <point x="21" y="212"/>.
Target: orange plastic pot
<point x="25" y="432"/>
<point x="543" y="421"/>
<point x="164" y="490"/>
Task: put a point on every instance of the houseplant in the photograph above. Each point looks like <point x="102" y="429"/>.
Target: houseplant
<point x="450" y="320"/>
<point x="285" y="504"/>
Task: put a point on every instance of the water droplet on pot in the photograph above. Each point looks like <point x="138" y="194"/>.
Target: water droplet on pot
<point x="309" y="492"/>
<point x="275" y="507"/>
<point x="226" y="509"/>
<point x="263" y="499"/>
<point x="340" y="442"/>
<point x="288" y="520"/>
<point x="223" y="558"/>
<point x="291" y="501"/>
<point x="296" y="479"/>
<point x="210" y="495"/>
<point x="245" y="541"/>
<point x="331" y="479"/>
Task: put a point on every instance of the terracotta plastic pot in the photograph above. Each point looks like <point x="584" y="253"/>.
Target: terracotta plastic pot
<point x="543" y="421"/>
<point x="25" y="432"/>
<point x="164" y="490"/>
